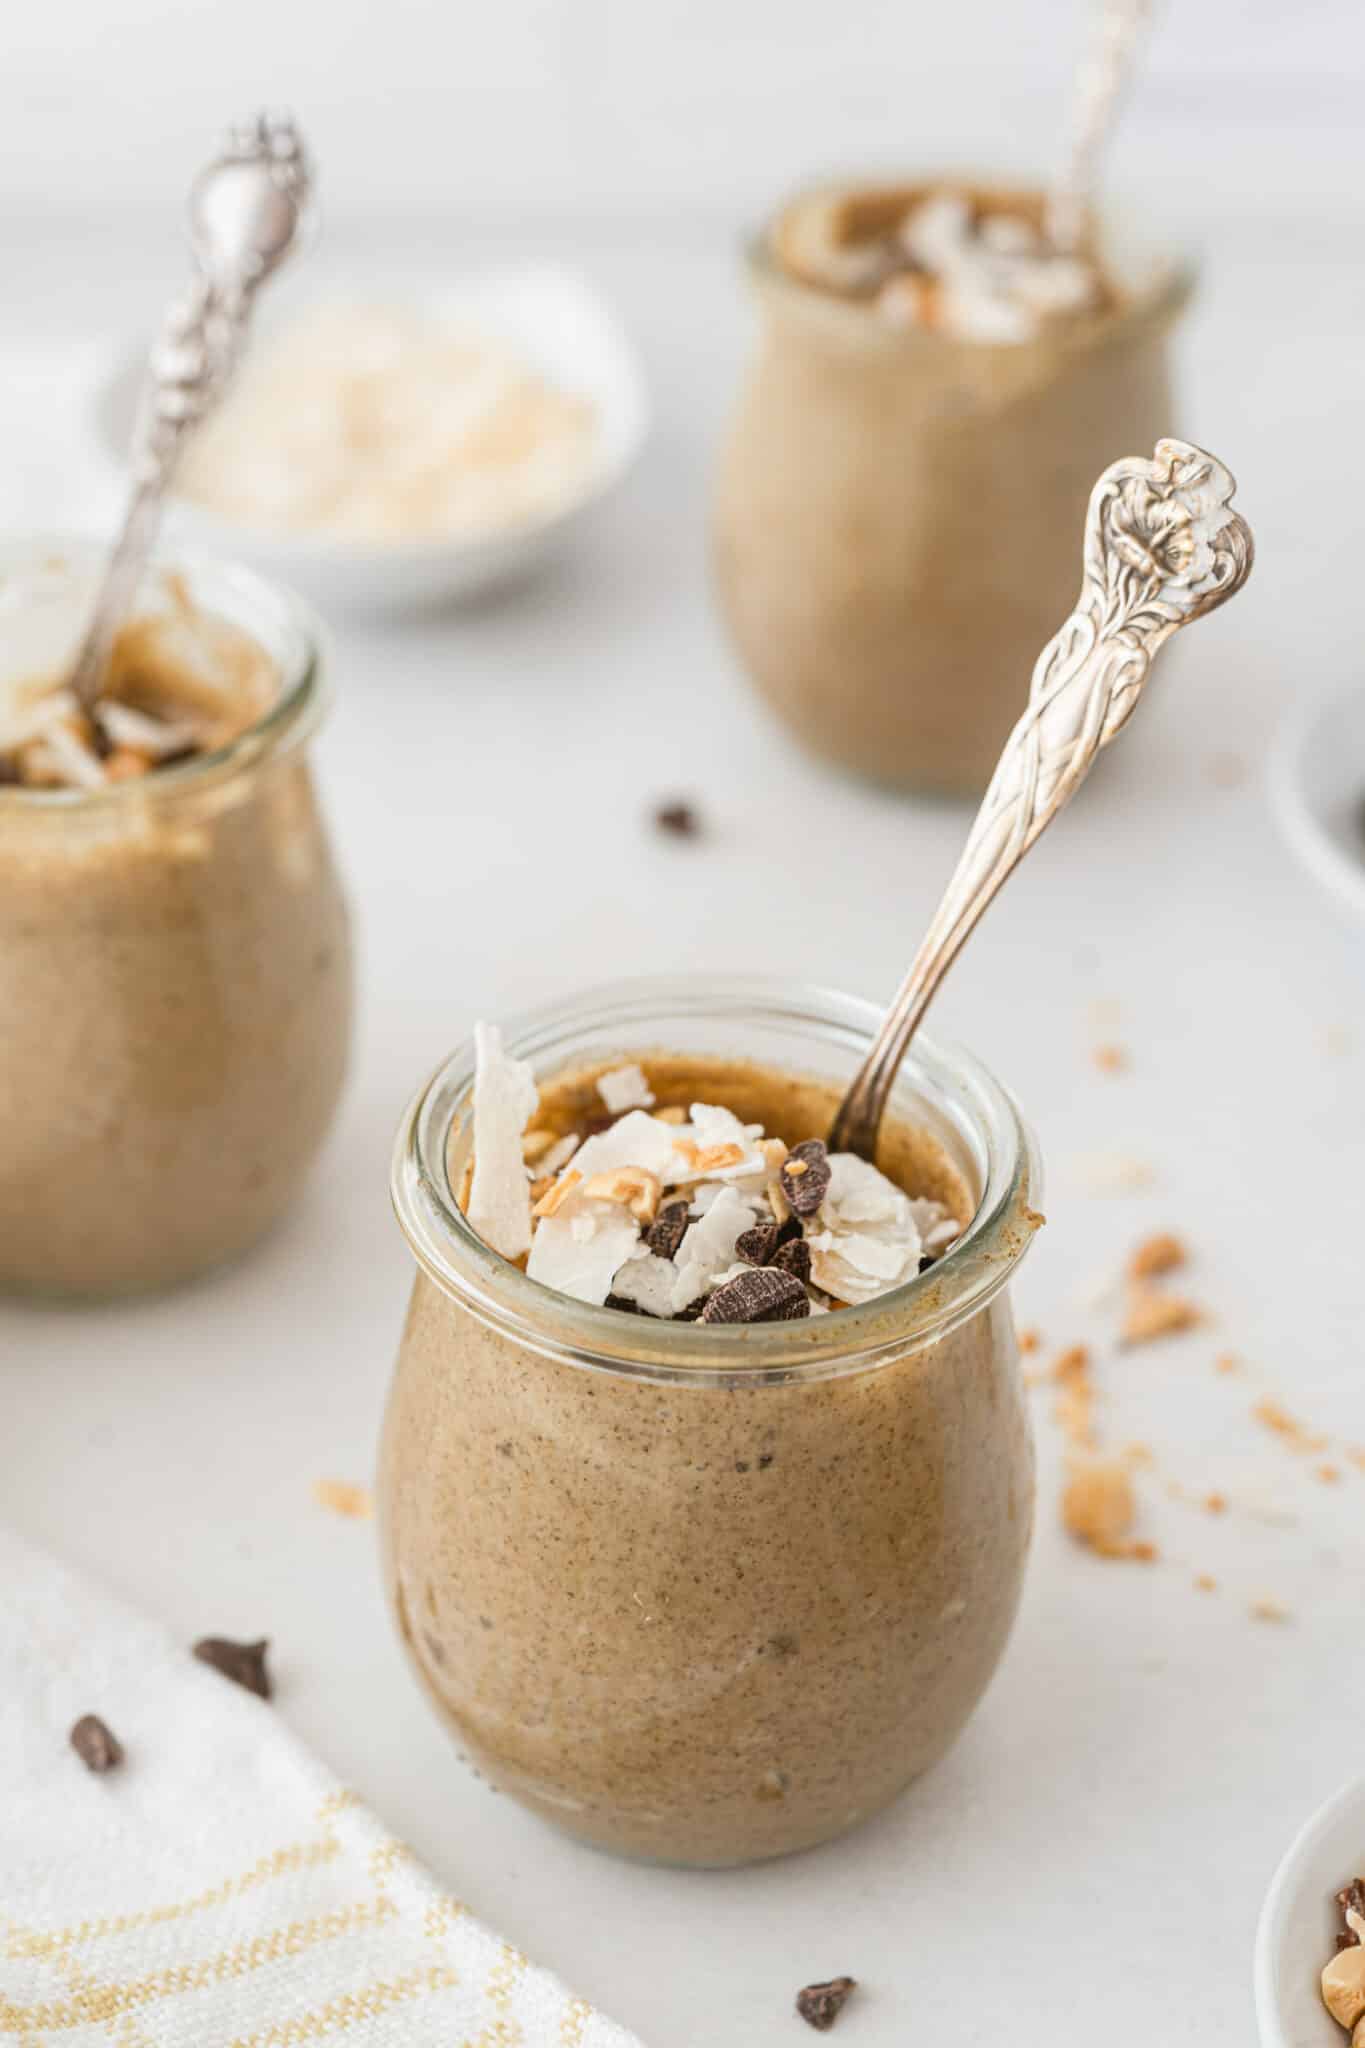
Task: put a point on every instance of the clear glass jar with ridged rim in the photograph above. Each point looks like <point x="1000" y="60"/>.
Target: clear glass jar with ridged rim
<point x="175" y="967"/>
<point x="708" y="1594"/>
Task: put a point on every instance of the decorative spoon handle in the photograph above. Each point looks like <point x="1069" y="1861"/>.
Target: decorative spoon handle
<point x="1103" y="73"/>
<point x="1162" y="547"/>
<point x="245" y="208"/>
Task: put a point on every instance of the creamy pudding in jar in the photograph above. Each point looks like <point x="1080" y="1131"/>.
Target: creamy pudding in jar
<point x="175" y="983"/>
<point x="706" y="1480"/>
<point x="902" y="496"/>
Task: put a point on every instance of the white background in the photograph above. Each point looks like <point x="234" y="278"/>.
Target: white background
<point x="547" y="107"/>
<point x="1088" y="1863"/>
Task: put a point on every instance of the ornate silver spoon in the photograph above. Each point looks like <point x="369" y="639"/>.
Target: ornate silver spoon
<point x="245" y="208"/>
<point x="1162" y="547"/>
<point x="1104" y="72"/>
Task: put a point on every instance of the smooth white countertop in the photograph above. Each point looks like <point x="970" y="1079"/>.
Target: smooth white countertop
<point x="1089" y="1861"/>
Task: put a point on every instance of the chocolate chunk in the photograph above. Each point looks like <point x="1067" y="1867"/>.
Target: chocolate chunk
<point x="793" y="1257"/>
<point x="821" y="2004"/>
<point x="627" y="1308"/>
<point x="692" y="1313"/>
<point x="757" y="1246"/>
<point x="1351" y="1899"/>
<point x="678" y="819"/>
<point x="667" y="1230"/>
<point x="97" y="1746"/>
<point x="805" y="1176"/>
<point x="243" y="1663"/>
<point x="763" y="1295"/>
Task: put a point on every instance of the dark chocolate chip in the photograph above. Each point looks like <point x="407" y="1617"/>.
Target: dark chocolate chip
<point x="793" y="1257"/>
<point x="667" y="1230"/>
<point x="679" y="819"/>
<point x="762" y="1295"/>
<point x="821" y="2004"/>
<point x="97" y="1746"/>
<point x="807" y="1187"/>
<point x="757" y="1246"/>
<point x="692" y="1313"/>
<point x="243" y="1663"/>
<point x="1351" y="1899"/>
<point x="627" y="1308"/>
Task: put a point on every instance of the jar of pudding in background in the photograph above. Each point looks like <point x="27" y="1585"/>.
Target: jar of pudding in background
<point x="175" y="969"/>
<point x="701" y="1593"/>
<point x="899" y="511"/>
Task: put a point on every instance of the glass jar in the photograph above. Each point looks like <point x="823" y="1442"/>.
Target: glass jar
<point x="704" y="1594"/>
<point x="175" y="969"/>
<point x="898" y="516"/>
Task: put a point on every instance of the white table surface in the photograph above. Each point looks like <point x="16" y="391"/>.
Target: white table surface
<point x="1089" y="1861"/>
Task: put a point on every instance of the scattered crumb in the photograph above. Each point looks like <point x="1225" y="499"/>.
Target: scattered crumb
<point x="344" y="1497"/>
<point x="1030" y="1340"/>
<point x="1205" y="1583"/>
<point x="1141" y="1456"/>
<point x="1112" y="1059"/>
<point x="1225" y="1362"/>
<point x="1074" y="1409"/>
<point x="1268" y="1610"/>
<point x="679" y="820"/>
<point x="1071" y="1364"/>
<point x="1099" y="1506"/>
<point x="1161" y="1253"/>
<point x="1336" y="1041"/>
<point x="1104" y="1174"/>
<point x="1215" y="1503"/>
<point x="1226" y="771"/>
<point x="1151" y="1314"/>
<point x="1329" y="1474"/>
<point x="1357" y="1457"/>
<point x="821" y="2004"/>
<point x="1276" y="1418"/>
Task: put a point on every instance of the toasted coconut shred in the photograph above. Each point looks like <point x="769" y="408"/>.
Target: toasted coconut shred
<point x="657" y="1213"/>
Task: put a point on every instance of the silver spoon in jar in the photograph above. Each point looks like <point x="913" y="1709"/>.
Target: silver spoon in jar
<point x="1162" y="547"/>
<point x="1104" y="73"/>
<point x="245" y="208"/>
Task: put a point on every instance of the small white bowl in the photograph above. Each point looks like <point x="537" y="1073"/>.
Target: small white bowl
<point x="1300" y="1922"/>
<point x="555" y="320"/>
<point x="1317" y="784"/>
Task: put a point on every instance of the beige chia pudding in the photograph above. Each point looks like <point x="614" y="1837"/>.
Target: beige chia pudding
<point x="707" y="1481"/>
<point x="902" y="495"/>
<point x="175" y="980"/>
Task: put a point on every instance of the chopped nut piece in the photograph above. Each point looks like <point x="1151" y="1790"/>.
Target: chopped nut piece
<point x="344" y="1497"/>
<point x="1216" y="1503"/>
<point x="1030" y="1340"/>
<point x="1343" y="1985"/>
<point x="1098" y="1505"/>
<point x="555" y="1196"/>
<point x="1225" y="1362"/>
<point x="1351" y="1900"/>
<point x="1152" y="1314"/>
<point x="821" y="2004"/>
<point x="635" y="1186"/>
<point x="98" y="1748"/>
<point x="1159" y="1254"/>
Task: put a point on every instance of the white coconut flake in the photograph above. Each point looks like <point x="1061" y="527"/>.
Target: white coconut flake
<point x="648" y="1281"/>
<point x="558" y="1156"/>
<point x="708" y="1247"/>
<point x="505" y="1100"/>
<point x="625" y="1088"/>
<point x="583" y="1269"/>
<point x="864" y="1239"/>
<point x="635" y="1139"/>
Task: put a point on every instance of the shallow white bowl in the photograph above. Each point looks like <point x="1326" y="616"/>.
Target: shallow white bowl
<point x="557" y="322"/>
<point x="1299" y="1924"/>
<point x="1317" y="784"/>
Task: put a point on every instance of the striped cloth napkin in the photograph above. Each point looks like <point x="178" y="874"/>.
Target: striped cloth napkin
<point x="216" y="1888"/>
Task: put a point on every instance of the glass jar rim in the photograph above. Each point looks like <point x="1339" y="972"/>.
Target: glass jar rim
<point x="298" y="651"/>
<point x="909" y="1318"/>
<point x="1169" y="289"/>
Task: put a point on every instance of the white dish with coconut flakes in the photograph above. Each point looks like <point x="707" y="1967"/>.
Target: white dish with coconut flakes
<point x="392" y="449"/>
<point x="681" y="1216"/>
